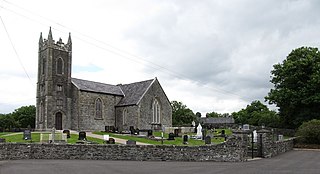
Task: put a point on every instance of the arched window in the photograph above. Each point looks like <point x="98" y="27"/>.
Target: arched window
<point x="98" y="108"/>
<point x="43" y="66"/>
<point x="124" y="116"/>
<point x="59" y="66"/>
<point x="156" y="111"/>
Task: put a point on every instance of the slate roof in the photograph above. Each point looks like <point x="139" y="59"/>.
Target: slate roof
<point x="97" y="87"/>
<point x="215" y="120"/>
<point x="134" y="92"/>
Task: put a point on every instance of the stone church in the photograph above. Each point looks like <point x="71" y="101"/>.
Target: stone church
<point x="64" y="102"/>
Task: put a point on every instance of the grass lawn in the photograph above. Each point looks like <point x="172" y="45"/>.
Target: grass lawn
<point x="18" y="138"/>
<point x="4" y="133"/>
<point x="177" y="141"/>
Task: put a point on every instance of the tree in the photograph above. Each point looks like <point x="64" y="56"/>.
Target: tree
<point x="257" y="114"/>
<point x="297" y="87"/>
<point x="181" y="114"/>
<point x="213" y="114"/>
<point x="25" y="116"/>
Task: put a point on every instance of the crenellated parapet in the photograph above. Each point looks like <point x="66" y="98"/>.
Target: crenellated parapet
<point x="59" y="45"/>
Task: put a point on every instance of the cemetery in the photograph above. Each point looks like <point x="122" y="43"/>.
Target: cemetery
<point x="238" y="146"/>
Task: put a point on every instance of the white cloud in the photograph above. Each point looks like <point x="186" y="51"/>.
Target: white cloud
<point x="211" y="55"/>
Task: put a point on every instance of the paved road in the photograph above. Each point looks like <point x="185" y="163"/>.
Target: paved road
<point x="297" y="161"/>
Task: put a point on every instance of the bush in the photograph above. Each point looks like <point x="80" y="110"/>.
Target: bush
<point x="309" y="132"/>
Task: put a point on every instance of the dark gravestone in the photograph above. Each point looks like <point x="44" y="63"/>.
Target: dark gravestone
<point x="171" y="136"/>
<point x="185" y="139"/>
<point x="27" y="135"/>
<point x="132" y="130"/>
<point x="149" y="133"/>
<point x="177" y="132"/>
<point x="111" y="141"/>
<point x="223" y="133"/>
<point x="67" y="132"/>
<point x="2" y="140"/>
<point x="207" y="140"/>
<point x="131" y="142"/>
<point x="82" y="136"/>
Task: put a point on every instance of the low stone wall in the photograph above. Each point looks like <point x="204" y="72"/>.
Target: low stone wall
<point x="232" y="151"/>
<point x="271" y="148"/>
<point x="279" y="147"/>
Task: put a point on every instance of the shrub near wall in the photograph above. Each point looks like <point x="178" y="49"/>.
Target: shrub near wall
<point x="231" y="151"/>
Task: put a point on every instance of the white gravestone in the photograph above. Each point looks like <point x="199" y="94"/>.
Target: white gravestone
<point x="199" y="131"/>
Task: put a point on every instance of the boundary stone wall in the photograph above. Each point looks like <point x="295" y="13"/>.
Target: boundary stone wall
<point x="231" y="151"/>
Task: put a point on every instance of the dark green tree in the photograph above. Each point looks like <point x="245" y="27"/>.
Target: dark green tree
<point x="212" y="114"/>
<point x="257" y="114"/>
<point x="181" y="114"/>
<point x="25" y="116"/>
<point x="297" y="87"/>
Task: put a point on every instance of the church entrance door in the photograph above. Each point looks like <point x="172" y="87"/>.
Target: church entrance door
<point x="58" y="124"/>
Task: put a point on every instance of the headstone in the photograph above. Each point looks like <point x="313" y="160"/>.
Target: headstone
<point x="106" y="137"/>
<point x="67" y="132"/>
<point x="255" y="136"/>
<point x="131" y="142"/>
<point x="207" y="140"/>
<point x="149" y="133"/>
<point x="177" y="132"/>
<point x="82" y="136"/>
<point x="223" y="133"/>
<point x="185" y="139"/>
<point x="53" y="134"/>
<point x="199" y="131"/>
<point x="111" y="141"/>
<point x="280" y="137"/>
<point x="27" y="134"/>
<point x="132" y="130"/>
<point x="2" y="140"/>
<point x="171" y="136"/>
<point x="246" y="127"/>
<point x="193" y="124"/>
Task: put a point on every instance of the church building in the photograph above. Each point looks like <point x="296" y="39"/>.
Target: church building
<point x="64" y="102"/>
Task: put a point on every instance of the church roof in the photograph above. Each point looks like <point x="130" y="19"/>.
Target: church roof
<point x="97" y="87"/>
<point x="134" y="92"/>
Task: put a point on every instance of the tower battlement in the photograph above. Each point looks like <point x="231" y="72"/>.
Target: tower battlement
<point x="44" y="43"/>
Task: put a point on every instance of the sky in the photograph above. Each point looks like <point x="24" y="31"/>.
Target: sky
<point x="212" y="55"/>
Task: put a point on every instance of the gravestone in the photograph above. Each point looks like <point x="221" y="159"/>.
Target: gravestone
<point x="207" y="140"/>
<point x="27" y="134"/>
<point x="131" y="142"/>
<point x="111" y="141"/>
<point x="185" y="139"/>
<point x="106" y="137"/>
<point x="67" y="132"/>
<point x="2" y="140"/>
<point x="280" y="137"/>
<point x="223" y="133"/>
<point x="171" y="136"/>
<point x="82" y="136"/>
<point x="204" y="133"/>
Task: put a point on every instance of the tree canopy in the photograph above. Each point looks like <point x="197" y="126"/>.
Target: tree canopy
<point x="21" y="118"/>
<point x="297" y="87"/>
<point x="257" y="114"/>
<point x="181" y="114"/>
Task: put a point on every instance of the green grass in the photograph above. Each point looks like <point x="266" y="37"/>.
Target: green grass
<point x="177" y="141"/>
<point x="18" y="138"/>
<point x="4" y="133"/>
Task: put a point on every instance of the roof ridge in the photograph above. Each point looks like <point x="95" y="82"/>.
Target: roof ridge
<point x="93" y="81"/>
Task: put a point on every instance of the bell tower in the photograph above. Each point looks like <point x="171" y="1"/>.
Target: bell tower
<point x="54" y="84"/>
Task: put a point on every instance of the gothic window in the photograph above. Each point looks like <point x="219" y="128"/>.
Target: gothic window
<point x="59" y="66"/>
<point x="43" y="66"/>
<point x="98" y="109"/>
<point x="156" y="111"/>
<point x="59" y="88"/>
<point x="124" y="116"/>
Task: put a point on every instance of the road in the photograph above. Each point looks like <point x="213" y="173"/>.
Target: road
<point x="296" y="161"/>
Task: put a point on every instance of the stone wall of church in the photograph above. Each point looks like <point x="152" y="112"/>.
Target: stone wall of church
<point x="130" y="119"/>
<point x="87" y="110"/>
<point x="146" y="112"/>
